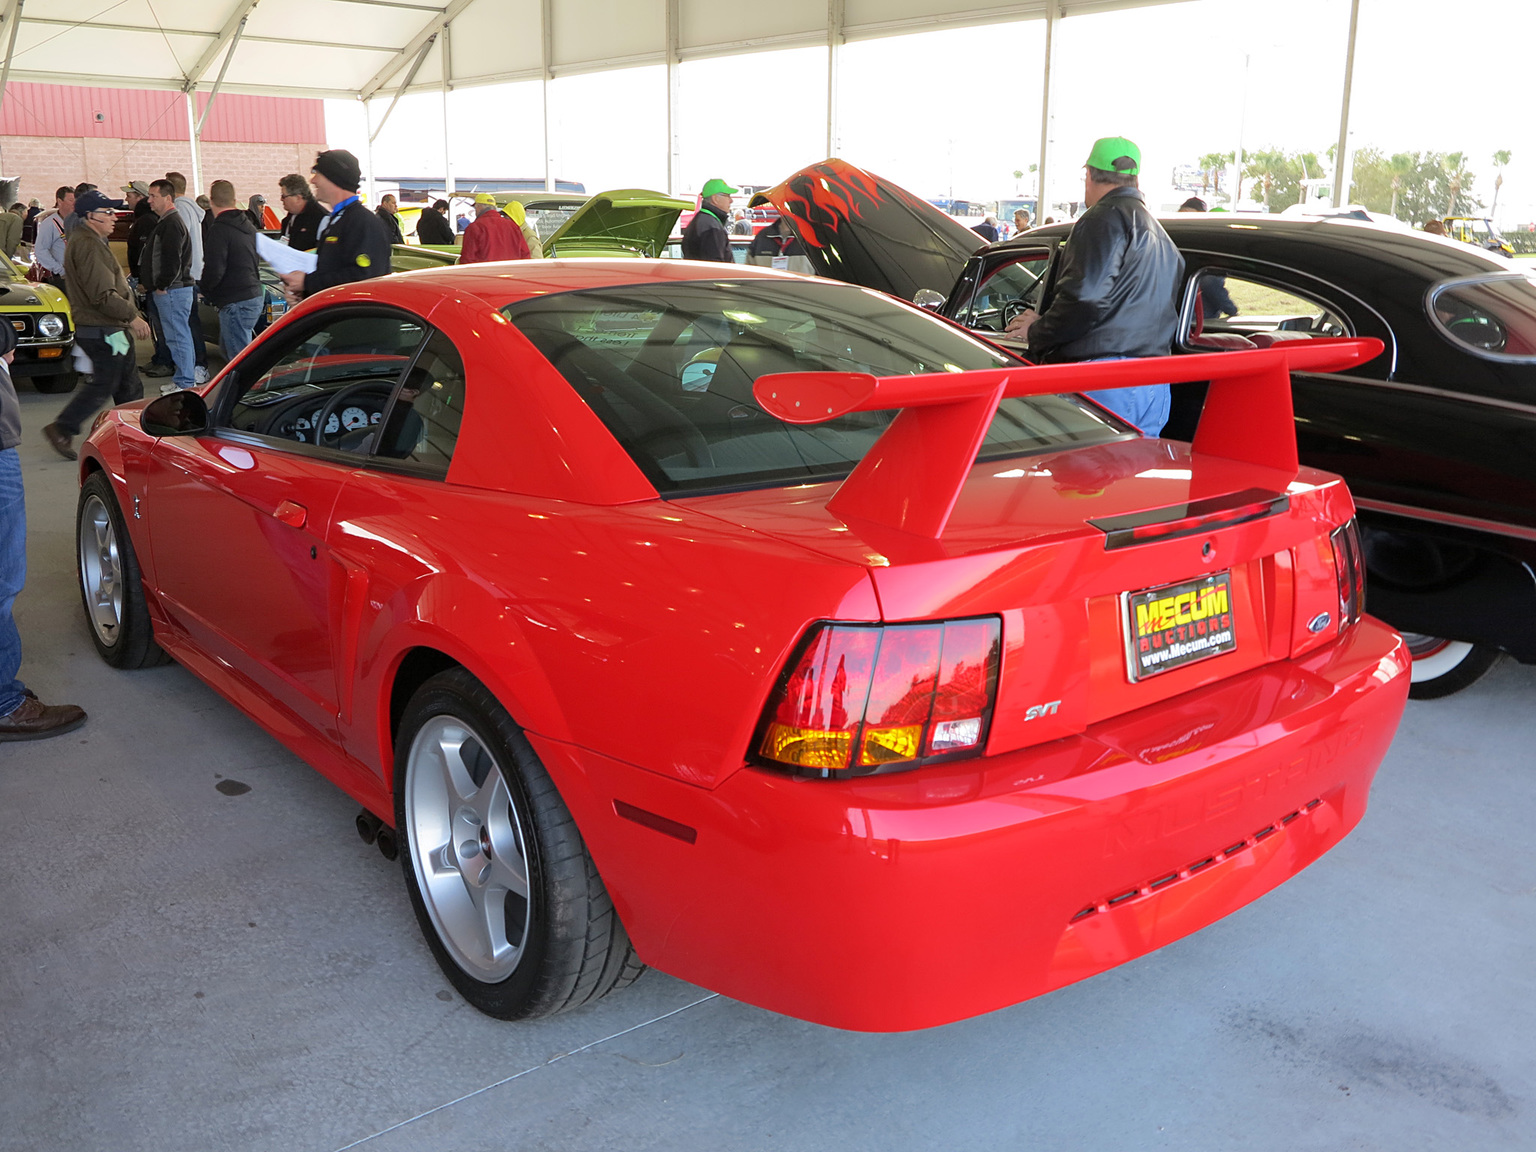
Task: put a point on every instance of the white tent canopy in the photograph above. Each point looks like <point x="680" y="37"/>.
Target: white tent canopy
<point x="362" y="49"/>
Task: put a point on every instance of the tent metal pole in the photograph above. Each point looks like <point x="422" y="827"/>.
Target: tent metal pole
<point x="368" y="159"/>
<point x="674" y="127"/>
<point x="546" y="58"/>
<point x="12" y="20"/>
<point x="406" y="83"/>
<point x="213" y="93"/>
<point x="1042" y="205"/>
<point x="1341" y="157"/>
<point x="195" y="141"/>
<point x="447" y="75"/>
<point x="836" y="19"/>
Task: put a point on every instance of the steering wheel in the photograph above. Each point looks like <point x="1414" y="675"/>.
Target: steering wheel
<point x="1010" y="309"/>
<point x="340" y="397"/>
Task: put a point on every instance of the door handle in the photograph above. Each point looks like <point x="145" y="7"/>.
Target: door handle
<point x="291" y="514"/>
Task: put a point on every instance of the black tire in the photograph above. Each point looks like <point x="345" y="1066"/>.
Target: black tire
<point x="111" y="586"/>
<point x="1442" y="667"/>
<point x="56" y="384"/>
<point x="513" y="956"/>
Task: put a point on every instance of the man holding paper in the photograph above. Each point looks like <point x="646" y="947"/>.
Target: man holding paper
<point x="353" y="245"/>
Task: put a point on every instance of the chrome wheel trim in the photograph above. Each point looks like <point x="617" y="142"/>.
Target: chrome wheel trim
<point x="467" y="848"/>
<point x="101" y="571"/>
<point x="1434" y="657"/>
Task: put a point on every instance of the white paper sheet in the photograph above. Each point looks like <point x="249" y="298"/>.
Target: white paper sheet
<point x="283" y="258"/>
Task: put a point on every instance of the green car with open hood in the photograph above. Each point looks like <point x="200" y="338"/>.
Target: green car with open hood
<point x="626" y="222"/>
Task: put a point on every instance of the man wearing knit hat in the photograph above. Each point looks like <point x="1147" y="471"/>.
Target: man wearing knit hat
<point x="353" y="245"/>
<point x="1115" y="291"/>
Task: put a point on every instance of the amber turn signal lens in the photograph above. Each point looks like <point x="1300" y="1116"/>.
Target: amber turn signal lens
<point x="884" y="745"/>
<point x="807" y="747"/>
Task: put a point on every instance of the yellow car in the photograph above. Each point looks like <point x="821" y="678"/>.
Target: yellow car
<point x="44" y="329"/>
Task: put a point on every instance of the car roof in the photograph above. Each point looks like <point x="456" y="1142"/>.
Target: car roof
<point x="513" y="280"/>
<point x="1428" y="258"/>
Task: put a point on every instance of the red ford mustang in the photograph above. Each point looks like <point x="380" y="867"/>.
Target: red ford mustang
<point x="769" y="631"/>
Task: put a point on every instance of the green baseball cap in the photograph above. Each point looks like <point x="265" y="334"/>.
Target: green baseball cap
<point x="1115" y="154"/>
<point x="715" y="187"/>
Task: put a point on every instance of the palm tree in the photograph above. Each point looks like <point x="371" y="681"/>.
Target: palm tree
<point x="1214" y="162"/>
<point x="1500" y="159"/>
<point x="1455" y="166"/>
<point x="1401" y="164"/>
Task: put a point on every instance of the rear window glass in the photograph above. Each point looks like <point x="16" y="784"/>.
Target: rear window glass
<point x="669" y="369"/>
<point x="1493" y="316"/>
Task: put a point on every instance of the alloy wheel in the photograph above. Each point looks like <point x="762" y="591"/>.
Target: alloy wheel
<point x="101" y="570"/>
<point x="468" y="848"/>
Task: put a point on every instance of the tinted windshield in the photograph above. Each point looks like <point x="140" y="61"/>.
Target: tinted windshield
<point x="1493" y="316"/>
<point x="669" y="369"/>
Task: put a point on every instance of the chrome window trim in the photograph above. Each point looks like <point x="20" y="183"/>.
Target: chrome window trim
<point x="1440" y="286"/>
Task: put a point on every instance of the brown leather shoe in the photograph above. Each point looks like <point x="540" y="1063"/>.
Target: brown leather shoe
<point x="59" y="441"/>
<point x="34" y="720"/>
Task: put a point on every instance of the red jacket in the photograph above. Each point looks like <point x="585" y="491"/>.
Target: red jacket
<point x="492" y="236"/>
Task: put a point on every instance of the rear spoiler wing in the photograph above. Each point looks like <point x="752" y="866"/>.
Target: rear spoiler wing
<point x="912" y="476"/>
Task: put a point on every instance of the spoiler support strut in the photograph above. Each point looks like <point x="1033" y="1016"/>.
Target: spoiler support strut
<point x="912" y="476"/>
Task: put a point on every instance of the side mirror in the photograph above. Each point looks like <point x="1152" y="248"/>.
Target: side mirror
<point x="183" y="413"/>
<point x="928" y="298"/>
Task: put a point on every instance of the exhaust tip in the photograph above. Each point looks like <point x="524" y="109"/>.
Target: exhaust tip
<point x="388" y="846"/>
<point x="368" y="826"/>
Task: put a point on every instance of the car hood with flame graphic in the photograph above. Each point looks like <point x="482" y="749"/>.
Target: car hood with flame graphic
<point x="864" y="230"/>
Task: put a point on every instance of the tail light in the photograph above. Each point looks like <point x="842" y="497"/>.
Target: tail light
<point x="1349" y="568"/>
<point x="864" y="698"/>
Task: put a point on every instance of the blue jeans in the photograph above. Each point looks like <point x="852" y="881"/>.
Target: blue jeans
<point x="162" y="352"/>
<point x="1144" y="405"/>
<point x="175" y="308"/>
<point x="235" y="323"/>
<point x="13" y="576"/>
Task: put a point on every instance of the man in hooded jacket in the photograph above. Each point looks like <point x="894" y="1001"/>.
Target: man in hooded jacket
<point x="231" y="275"/>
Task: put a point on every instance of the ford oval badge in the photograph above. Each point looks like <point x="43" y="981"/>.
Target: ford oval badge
<point x="1319" y="622"/>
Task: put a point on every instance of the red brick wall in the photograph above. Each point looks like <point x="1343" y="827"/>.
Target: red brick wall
<point x="43" y="163"/>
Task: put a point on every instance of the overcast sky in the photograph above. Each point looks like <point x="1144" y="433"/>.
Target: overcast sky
<point x="960" y="110"/>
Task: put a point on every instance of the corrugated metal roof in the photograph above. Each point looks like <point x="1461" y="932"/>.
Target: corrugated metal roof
<point x="147" y="114"/>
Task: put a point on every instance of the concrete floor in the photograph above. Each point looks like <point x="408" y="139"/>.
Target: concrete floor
<point x="181" y="968"/>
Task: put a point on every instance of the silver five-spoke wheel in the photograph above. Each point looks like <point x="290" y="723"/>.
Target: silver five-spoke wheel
<point x="469" y="849"/>
<point x="503" y="886"/>
<point x="101" y="570"/>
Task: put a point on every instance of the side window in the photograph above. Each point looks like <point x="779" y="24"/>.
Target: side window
<point x="329" y="385"/>
<point x="1232" y="311"/>
<point x="1007" y="290"/>
<point x="422" y="426"/>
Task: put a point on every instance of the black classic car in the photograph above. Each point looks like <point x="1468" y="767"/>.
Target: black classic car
<point x="1436" y="437"/>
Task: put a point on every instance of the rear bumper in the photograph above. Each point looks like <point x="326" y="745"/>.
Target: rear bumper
<point x="901" y="902"/>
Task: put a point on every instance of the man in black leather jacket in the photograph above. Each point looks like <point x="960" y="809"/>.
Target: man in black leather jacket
<point x="1116" y="290"/>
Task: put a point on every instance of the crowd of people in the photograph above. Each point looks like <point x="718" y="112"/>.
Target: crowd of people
<point x="178" y="248"/>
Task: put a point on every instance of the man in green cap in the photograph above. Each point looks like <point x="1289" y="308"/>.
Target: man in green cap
<point x="708" y="236"/>
<point x="1115" y="294"/>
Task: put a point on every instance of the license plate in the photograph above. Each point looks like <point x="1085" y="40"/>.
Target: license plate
<point x="1178" y="624"/>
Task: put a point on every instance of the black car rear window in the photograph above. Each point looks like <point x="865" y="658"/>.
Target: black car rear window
<point x="669" y="370"/>
<point x="1492" y="315"/>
